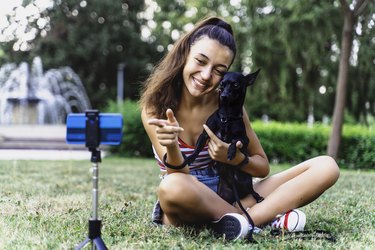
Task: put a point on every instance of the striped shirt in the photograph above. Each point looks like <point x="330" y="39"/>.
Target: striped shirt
<point x="202" y="161"/>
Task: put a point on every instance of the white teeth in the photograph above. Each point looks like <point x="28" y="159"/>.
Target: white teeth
<point x="198" y="83"/>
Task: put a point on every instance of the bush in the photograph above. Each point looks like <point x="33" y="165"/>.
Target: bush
<point x="285" y="142"/>
<point x="293" y="143"/>
<point x="135" y="141"/>
<point x="357" y="147"/>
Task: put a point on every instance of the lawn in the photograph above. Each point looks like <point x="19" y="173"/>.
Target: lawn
<point x="47" y="204"/>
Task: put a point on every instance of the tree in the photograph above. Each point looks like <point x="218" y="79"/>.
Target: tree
<point x="350" y="18"/>
<point x="93" y="38"/>
<point x="361" y="90"/>
<point x="295" y="63"/>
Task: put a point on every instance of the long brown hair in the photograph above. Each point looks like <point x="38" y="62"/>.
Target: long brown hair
<point x="163" y="88"/>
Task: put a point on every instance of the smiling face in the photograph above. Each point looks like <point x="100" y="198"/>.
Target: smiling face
<point x="205" y="65"/>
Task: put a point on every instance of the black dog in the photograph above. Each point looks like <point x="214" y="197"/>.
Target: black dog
<point x="227" y="124"/>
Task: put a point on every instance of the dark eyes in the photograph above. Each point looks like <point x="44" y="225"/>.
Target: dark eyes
<point x="236" y="85"/>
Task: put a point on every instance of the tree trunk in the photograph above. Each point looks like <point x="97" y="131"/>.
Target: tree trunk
<point x="338" y="114"/>
<point x="346" y="47"/>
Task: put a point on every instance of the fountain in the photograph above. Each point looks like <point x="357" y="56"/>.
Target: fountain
<point x="29" y="96"/>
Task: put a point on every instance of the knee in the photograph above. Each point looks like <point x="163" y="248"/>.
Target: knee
<point x="329" y="169"/>
<point x="172" y="188"/>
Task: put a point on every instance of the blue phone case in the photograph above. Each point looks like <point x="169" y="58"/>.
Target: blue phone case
<point x="110" y="126"/>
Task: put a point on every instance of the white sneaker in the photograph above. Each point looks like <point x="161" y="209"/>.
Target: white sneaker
<point x="293" y="221"/>
<point x="233" y="226"/>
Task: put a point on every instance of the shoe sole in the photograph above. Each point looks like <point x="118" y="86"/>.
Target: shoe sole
<point x="232" y="226"/>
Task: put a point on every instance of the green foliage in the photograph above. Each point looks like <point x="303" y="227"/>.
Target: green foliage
<point x="287" y="142"/>
<point x="135" y="141"/>
<point x="94" y="38"/>
<point x="357" y="147"/>
<point x="294" y="143"/>
<point x="291" y="58"/>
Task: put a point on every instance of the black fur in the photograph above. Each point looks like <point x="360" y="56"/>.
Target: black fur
<point x="226" y="122"/>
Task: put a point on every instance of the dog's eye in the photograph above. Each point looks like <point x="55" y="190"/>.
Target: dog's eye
<point x="236" y="85"/>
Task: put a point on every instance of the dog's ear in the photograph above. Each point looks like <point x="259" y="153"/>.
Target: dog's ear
<point x="250" y="78"/>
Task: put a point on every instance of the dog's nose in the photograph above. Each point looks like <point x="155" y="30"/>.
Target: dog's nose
<point x="224" y="97"/>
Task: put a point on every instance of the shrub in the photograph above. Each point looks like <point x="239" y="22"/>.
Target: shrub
<point x="293" y="143"/>
<point x="357" y="147"/>
<point x="135" y="141"/>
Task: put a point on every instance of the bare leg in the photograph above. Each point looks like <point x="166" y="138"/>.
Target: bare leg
<point x="185" y="200"/>
<point x="292" y="188"/>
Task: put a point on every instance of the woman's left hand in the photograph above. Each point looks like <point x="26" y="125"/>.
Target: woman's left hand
<point x="218" y="149"/>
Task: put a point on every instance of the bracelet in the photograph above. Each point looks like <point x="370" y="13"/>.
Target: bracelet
<point x="243" y="162"/>
<point x="175" y="167"/>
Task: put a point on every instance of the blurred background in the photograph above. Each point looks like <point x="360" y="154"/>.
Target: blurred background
<point x="317" y="60"/>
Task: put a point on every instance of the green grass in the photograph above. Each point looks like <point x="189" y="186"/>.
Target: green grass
<point x="46" y="205"/>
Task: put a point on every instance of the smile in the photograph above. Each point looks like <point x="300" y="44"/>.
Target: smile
<point x="197" y="84"/>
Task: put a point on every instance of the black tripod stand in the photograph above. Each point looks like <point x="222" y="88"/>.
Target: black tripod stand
<point x="92" y="143"/>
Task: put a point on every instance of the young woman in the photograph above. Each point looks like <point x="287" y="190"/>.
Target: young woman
<point x="177" y="99"/>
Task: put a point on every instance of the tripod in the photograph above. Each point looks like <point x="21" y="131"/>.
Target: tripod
<point x="92" y="143"/>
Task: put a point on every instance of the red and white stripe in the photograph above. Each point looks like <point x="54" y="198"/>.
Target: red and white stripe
<point x="202" y="161"/>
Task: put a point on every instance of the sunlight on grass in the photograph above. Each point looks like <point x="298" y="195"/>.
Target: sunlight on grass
<point x="46" y="205"/>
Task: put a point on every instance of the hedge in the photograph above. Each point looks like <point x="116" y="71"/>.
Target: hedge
<point x="283" y="142"/>
<point x="293" y="143"/>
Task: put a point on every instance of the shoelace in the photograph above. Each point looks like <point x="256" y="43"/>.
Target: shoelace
<point x="279" y="224"/>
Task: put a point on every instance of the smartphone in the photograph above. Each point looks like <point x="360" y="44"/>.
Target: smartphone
<point x="106" y="128"/>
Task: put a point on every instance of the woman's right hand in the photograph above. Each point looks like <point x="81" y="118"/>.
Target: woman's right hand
<point x="167" y="129"/>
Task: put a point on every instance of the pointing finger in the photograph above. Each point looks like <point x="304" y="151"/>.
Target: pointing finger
<point x="169" y="129"/>
<point x="210" y="133"/>
<point x="157" y="122"/>
<point x="164" y="124"/>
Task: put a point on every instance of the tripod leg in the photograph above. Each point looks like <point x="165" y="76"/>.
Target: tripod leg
<point x="82" y="244"/>
<point x="99" y="243"/>
<point x="94" y="223"/>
